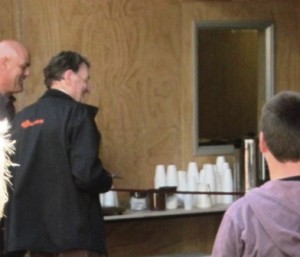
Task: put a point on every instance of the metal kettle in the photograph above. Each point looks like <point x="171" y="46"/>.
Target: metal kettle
<point x="250" y="168"/>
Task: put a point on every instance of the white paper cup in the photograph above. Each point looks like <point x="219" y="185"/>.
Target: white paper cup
<point x="188" y="201"/>
<point x="110" y="199"/>
<point x="182" y="186"/>
<point x="172" y="175"/>
<point x="203" y="200"/>
<point x="227" y="186"/>
<point x="160" y="176"/>
<point x="210" y="179"/>
<point x="171" y="202"/>
<point x="192" y="171"/>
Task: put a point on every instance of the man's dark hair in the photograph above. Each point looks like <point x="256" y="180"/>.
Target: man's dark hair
<point x="280" y="124"/>
<point x="65" y="60"/>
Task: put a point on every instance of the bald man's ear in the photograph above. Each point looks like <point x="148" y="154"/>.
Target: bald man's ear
<point x="3" y="62"/>
<point x="262" y="143"/>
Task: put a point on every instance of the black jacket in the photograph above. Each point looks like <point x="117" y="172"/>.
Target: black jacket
<point x="7" y="108"/>
<point x="55" y="204"/>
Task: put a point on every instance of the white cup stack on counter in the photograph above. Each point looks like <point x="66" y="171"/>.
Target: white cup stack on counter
<point x="109" y="199"/>
<point x="167" y="177"/>
<point x="210" y="178"/>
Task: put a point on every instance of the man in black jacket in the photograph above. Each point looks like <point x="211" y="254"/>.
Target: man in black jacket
<point x="54" y="208"/>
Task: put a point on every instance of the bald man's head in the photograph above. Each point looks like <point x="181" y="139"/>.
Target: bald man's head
<point x="14" y="66"/>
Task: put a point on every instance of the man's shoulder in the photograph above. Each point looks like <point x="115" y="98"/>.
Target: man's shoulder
<point x="241" y="208"/>
<point x="239" y="205"/>
<point x="251" y="200"/>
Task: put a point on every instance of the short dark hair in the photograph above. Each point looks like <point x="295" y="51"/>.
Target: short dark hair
<point x="65" y="60"/>
<point x="280" y="124"/>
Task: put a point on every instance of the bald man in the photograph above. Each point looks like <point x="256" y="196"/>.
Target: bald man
<point x="14" y="69"/>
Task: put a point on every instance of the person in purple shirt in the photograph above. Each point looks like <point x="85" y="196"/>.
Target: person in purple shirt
<point x="266" y="221"/>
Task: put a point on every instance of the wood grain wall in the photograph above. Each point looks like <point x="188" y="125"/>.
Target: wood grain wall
<point x="135" y="51"/>
<point x="284" y="15"/>
<point x="8" y="19"/>
<point x="162" y="236"/>
<point x="141" y="55"/>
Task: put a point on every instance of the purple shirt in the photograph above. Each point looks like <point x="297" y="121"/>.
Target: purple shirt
<point x="265" y="222"/>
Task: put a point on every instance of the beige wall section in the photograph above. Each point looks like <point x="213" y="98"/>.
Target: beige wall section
<point x="158" y="237"/>
<point x="8" y="19"/>
<point x="285" y="16"/>
<point x="140" y="52"/>
<point x="134" y="49"/>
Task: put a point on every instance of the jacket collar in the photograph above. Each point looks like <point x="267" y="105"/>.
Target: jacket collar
<point x="57" y="93"/>
<point x="93" y="110"/>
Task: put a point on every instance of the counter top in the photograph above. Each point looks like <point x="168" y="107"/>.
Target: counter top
<point x="129" y="214"/>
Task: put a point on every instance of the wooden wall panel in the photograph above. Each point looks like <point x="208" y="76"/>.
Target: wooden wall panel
<point x="134" y="49"/>
<point x="159" y="236"/>
<point x="141" y="55"/>
<point x="286" y="19"/>
<point x="287" y="35"/>
<point x="9" y="13"/>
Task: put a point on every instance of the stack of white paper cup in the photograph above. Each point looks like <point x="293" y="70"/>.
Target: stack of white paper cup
<point x="172" y="175"/>
<point x="111" y="199"/>
<point x="227" y="185"/>
<point x="220" y="160"/>
<point x="203" y="200"/>
<point x="209" y="178"/>
<point x="171" y="199"/>
<point x="192" y="171"/>
<point x="192" y="179"/>
<point x="188" y="201"/>
<point x="160" y="176"/>
<point x="224" y="180"/>
<point x="182" y="186"/>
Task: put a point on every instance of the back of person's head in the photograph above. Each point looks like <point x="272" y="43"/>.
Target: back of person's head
<point x="280" y="124"/>
<point x="65" y="60"/>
